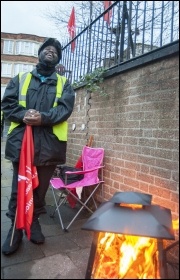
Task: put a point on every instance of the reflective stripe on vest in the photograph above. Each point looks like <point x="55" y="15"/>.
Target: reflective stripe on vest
<point x="61" y="129"/>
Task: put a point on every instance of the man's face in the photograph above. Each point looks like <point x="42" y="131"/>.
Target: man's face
<point x="49" y="55"/>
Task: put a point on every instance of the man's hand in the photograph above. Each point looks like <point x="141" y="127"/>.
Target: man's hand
<point x="30" y="113"/>
<point x="32" y="117"/>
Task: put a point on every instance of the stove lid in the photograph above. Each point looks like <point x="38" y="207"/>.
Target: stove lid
<point x="132" y="198"/>
<point x="150" y="220"/>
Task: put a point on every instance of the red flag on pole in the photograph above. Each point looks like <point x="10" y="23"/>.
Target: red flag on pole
<point x="108" y="15"/>
<point x="72" y="28"/>
<point x="27" y="181"/>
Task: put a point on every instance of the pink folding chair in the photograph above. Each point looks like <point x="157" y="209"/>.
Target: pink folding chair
<point x="92" y="159"/>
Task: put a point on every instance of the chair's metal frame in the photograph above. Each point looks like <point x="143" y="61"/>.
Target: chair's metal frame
<point x="64" y="191"/>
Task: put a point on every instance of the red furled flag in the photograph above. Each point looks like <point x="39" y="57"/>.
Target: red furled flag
<point x="108" y="15"/>
<point x="72" y="28"/>
<point x="27" y="181"/>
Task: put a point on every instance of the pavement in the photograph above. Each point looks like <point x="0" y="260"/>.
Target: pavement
<point x="64" y="255"/>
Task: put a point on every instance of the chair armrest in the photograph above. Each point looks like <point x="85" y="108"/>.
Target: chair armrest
<point x="84" y="171"/>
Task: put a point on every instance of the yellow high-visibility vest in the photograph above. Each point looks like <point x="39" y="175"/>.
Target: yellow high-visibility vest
<point x="61" y="129"/>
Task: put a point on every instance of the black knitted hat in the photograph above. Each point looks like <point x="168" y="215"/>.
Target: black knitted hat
<point x="52" y="42"/>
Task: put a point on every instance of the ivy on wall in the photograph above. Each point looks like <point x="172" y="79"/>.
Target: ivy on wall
<point x="92" y="82"/>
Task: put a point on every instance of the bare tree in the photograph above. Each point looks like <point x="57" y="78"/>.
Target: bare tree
<point x="85" y="11"/>
<point x="136" y="27"/>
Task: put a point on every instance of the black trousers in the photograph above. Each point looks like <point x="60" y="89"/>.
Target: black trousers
<point x="44" y="175"/>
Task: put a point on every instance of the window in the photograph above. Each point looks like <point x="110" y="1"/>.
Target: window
<point x="8" y="47"/>
<point x="6" y="69"/>
<point x="10" y="70"/>
<point x="22" y="68"/>
<point x="27" y="48"/>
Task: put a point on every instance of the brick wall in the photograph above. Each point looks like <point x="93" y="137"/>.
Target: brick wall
<point x="138" y="126"/>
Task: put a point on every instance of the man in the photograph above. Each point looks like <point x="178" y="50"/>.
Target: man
<point x="44" y="100"/>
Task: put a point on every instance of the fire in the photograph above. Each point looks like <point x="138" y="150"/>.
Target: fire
<point x="175" y="224"/>
<point x="133" y="206"/>
<point x="125" y="257"/>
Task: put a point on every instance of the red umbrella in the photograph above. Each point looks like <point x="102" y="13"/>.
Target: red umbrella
<point x="79" y="164"/>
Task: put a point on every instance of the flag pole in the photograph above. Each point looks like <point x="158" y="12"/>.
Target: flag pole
<point x="14" y="225"/>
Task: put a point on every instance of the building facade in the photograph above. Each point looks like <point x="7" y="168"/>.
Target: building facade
<point x="19" y="53"/>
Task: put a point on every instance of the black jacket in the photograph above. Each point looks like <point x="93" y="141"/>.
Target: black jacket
<point x="48" y="150"/>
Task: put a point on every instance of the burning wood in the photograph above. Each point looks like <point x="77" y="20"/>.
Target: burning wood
<point x="124" y="257"/>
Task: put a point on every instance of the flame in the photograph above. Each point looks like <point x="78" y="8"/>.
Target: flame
<point x="133" y="206"/>
<point x="130" y="250"/>
<point x="125" y="257"/>
<point x="175" y="224"/>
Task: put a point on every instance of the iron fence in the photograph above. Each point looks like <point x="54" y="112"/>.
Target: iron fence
<point x="134" y="28"/>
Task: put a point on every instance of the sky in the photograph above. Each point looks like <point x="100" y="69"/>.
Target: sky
<point x="25" y="17"/>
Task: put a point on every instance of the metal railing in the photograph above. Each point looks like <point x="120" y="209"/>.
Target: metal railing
<point x="135" y="28"/>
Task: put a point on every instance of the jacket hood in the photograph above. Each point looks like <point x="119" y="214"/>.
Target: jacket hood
<point x="52" y="42"/>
